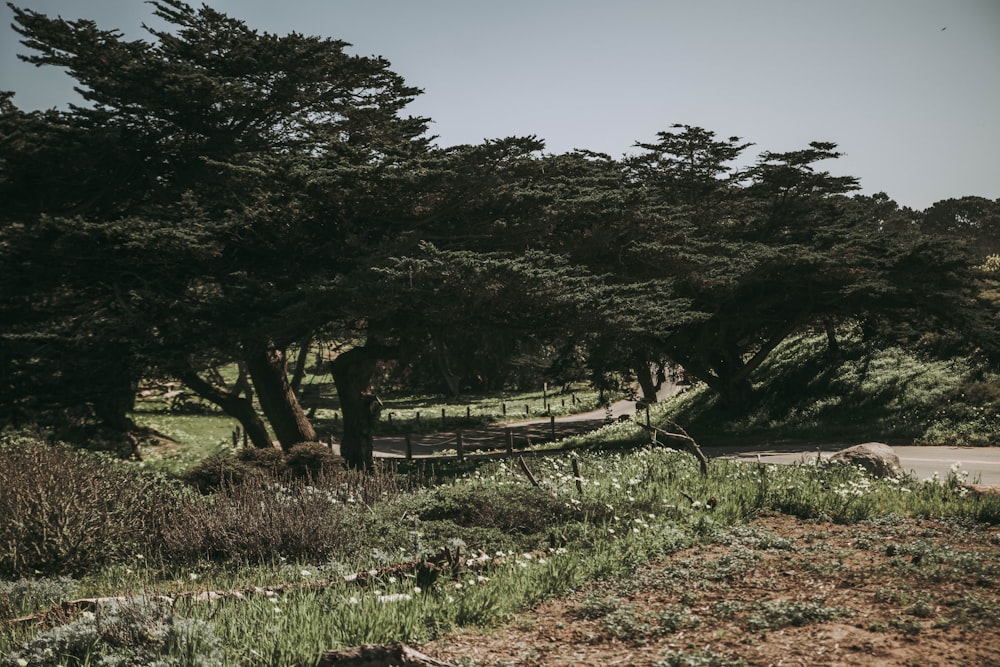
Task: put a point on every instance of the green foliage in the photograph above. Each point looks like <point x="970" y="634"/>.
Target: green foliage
<point x="775" y="614"/>
<point x="521" y="545"/>
<point x="123" y="634"/>
<point x="24" y="596"/>
<point x="862" y="392"/>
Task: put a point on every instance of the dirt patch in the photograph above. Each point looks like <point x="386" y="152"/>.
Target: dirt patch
<point x="777" y="592"/>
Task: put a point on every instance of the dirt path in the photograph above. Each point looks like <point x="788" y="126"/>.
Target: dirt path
<point x="778" y="592"/>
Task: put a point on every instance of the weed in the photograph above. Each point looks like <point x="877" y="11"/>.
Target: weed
<point x="594" y="607"/>
<point x="25" y="596"/>
<point x="727" y="609"/>
<point x="775" y="614"/>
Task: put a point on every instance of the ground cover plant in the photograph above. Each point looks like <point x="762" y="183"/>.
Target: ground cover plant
<point x="277" y="570"/>
<point x="861" y="392"/>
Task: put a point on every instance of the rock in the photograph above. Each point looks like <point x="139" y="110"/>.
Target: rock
<point x="396" y="655"/>
<point x="877" y="458"/>
<point x="983" y="489"/>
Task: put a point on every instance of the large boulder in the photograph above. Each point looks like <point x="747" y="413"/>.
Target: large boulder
<point x="877" y="458"/>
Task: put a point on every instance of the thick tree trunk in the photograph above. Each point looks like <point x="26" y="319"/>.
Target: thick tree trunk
<point x="735" y="394"/>
<point x="268" y="371"/>
<point x="647" y="382"/>
<point x="352" y="375"/>
<point x="232" y="404"/>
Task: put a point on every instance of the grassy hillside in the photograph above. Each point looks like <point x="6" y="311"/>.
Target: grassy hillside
<point x="863" y="392"/>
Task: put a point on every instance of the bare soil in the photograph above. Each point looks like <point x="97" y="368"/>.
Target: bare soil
<point x="778" y="592"/>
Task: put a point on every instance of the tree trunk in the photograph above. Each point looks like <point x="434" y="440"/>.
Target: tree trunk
<point x="299" y="370"/>
<point x="232" y="404"/>
<point x="268" y="371"/>
<point x="647" y="382"/>
<point x="735" y="393"/>
<point x="832" y="345"/>
<point x="452" y="381"/>
<point x="352" y="375"/>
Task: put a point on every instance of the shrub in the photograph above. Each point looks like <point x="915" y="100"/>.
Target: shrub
<point x="66" y="510"/>
<point x="123" y="634"/>
<point x="256" y="521"/>
<point x="220" y="470"/>
<point x="309" y="460"/>
<point x="271" y="460"/>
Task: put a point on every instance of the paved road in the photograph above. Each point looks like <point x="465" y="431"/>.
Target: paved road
<point x="982" y="463"/>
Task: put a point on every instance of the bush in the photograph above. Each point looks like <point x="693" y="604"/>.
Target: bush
<point x="268" y="459"/>
<point x="310" y="460"/>
<point x="123" y="634"/>
<point x="255" y="521"/>
<point x="66" y="510"/>
<point x="221" y="470"/>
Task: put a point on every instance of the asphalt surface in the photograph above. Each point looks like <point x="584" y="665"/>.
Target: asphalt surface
<point x="982" y="463"/>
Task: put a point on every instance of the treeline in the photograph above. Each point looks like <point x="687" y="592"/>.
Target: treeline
<point x="225" y="196"/>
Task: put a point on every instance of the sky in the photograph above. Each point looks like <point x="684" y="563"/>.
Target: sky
<point x="908" y="89"/>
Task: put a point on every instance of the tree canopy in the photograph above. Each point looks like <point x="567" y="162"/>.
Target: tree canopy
<point x="223" y="195"/>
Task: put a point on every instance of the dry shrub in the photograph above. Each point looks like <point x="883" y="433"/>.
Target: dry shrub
<point x="310" y="460"/>
<point x="65" y="511"/>
<point x="255" y="521"/>
<point x="221" y="470"/>
<point x="270" y="459"/>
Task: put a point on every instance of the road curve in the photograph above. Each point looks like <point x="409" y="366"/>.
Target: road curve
<point x="982" y="463"/>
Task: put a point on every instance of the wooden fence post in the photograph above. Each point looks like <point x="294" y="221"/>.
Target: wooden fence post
<point x="576" y="476"/>
<point x="552" y="425"/>
<point x="442" y="416"/>
<point x="461" y="446"/>
<point x="409" y="447"/>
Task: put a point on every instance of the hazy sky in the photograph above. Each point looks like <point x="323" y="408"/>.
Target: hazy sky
<point x="909" y="89"/>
